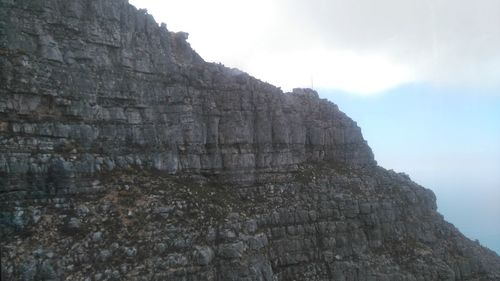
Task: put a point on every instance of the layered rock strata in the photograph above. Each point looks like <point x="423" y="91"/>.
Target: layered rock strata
<point x="92" y="86"/>
<point x="125" y="156"/>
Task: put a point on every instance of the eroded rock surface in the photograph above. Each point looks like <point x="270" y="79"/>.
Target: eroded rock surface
<point x="125" y="156"/>
<point x="97" y="86"/>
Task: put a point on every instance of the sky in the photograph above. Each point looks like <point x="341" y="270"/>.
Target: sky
<point x="446" y="140"/>
<point x="421" y="78"/>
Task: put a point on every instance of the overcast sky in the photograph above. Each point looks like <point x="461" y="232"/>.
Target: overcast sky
<point x="360" y="46"/>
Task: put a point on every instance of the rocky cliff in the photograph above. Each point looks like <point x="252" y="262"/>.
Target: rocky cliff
<point x="125" y="156"/>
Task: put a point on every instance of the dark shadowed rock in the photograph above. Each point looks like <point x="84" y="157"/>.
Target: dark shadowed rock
<point x="203" y="255"/>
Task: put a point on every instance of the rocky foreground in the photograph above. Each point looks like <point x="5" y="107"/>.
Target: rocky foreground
<point x="125" y="156"/>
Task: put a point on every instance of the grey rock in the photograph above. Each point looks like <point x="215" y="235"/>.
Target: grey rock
<point x="97" y="236"/>
<point x="50" y="49"/>
<point x="176" y="260"/>
<point x="257" y="242"/>
<point x="231" y="251"/>
<point x="74" y="224"/>
<point x="130" y="251"/>
<point x="251" y="226"/>
<point x="162" y="166"/>
<point x="203" y="255"/>
<point x="36" y="215"/>
<point x="82" y="210"/>
<point x="104" y="255"/>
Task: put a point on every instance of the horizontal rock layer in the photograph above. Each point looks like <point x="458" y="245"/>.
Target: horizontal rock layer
<point x="89" y="87"/>
<point x="125" y="156"/>
<point x="321" y="224"/>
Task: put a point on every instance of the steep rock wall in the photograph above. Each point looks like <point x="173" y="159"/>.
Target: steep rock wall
<point x="90" y="86"/>
<point x="125" y="156"/>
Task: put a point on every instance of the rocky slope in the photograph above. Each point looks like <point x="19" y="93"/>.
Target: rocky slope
<point x="125" y="156"/>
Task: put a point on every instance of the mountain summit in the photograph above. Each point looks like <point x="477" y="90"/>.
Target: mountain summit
<point x="125" y="156"/>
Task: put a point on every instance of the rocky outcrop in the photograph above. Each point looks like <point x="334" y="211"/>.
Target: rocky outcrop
<point x="125" y="156"/>
<point x="91" y="87"/>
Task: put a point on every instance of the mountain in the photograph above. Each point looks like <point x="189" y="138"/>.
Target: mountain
<point x="125" y="156"/>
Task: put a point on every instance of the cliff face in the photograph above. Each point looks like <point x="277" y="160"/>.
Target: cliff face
<point x="90" y="87"/>
<point x="125" y="156"/>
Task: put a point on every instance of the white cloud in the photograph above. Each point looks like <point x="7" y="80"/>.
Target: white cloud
<point x="330" y="68"/>
<point x="361" y="46"/>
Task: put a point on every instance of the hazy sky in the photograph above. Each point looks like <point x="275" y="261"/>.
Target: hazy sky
<point x="421" y="78"/>
<point x="446" y="140"/>
<point x="360" y="46"/>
